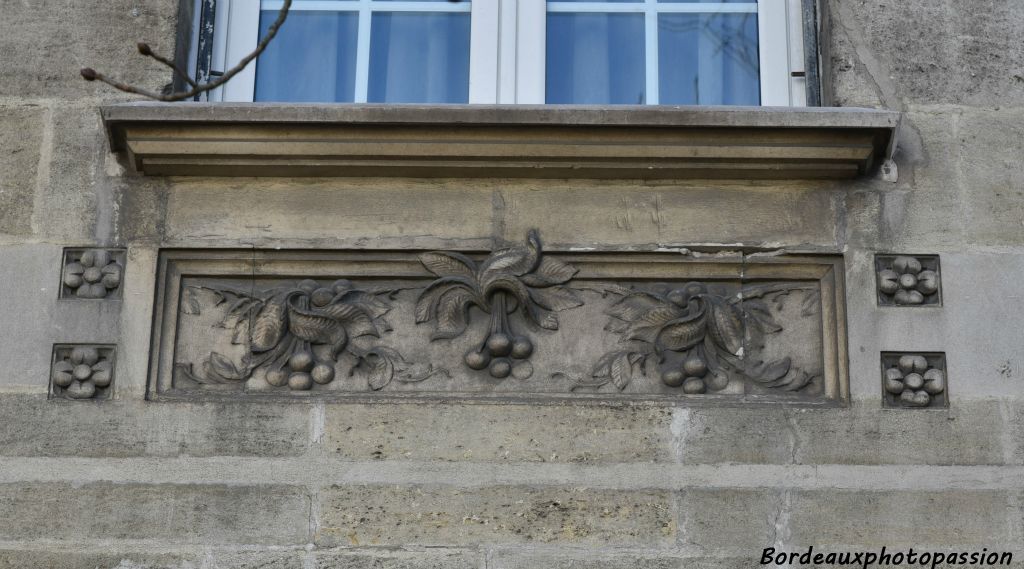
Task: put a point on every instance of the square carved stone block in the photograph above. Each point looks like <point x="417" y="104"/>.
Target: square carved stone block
<point x="914" y="380"/>
<point x="908" y="280"/>
<point x="82" y="371"/>
<point x="92" y="274"/>
<point x="514" y="324"/>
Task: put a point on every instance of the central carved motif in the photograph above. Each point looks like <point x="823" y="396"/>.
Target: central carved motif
<point x="517" y="280"/>
<point x="515" y="322"/>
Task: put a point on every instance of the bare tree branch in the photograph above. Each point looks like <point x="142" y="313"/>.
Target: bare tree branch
<point x="90" y="74"/>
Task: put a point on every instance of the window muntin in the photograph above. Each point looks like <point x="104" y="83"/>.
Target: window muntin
<point x="652" y="52"/>
<point x="508" y="56"/>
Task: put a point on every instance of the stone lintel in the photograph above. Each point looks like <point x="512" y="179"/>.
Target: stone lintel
<point x="522" y="141"/>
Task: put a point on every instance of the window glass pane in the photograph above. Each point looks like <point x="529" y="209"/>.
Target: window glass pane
<point x="709" y="1"/>
<point x="419" y="58"/>
<point x="312" y="58"/>
<point x="595" y="58"/>
<point x="708" y="59"/>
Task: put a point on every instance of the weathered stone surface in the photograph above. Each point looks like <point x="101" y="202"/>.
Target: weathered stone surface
<point x="926" y="520"/>
<point x="513" y="433"/>
<point x="755" y="436"/>
<point x="21" y="133"/>
<point x="34" y="426"/>
<point x="650" y="215"/>
<point x="968" y="433"/>
<point x="76" y="559"/>
<point x="78" y="204"/>
<point x="613" y="561"/>
<point x="206" y="514"/>
<point x="442" y="515"/>
<point x="958" y="52"/>
<point x="53" y="44"/>
<point x="359" y="213"/>
<point x="992" y="176"/>
<point x="390" y="559"/>
<point x="723" y="522"/>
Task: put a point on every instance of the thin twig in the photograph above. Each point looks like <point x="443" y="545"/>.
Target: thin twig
<point x="144" y="49"/>
<point x="90" y="74"/>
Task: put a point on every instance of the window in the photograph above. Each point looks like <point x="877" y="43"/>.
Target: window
<point x="670" y="52"/>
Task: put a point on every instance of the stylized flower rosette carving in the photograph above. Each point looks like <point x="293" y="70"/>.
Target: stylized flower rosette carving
<point x="905" y="282"/>
<point x="82" y="372"/>
<point x="94" y="274"/>
<point x="701" y="339"/>
<point x="519" y="279"/>
<point x="912" y="381"/>
<point x="295" y="334"/>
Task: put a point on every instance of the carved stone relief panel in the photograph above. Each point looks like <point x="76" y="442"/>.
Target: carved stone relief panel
<point x="914" y="379"/>
<point x="80" y="371"/>
<point x="905" y="280"/>
<point x="92" y="274"/>
<point x="516" y="323"/>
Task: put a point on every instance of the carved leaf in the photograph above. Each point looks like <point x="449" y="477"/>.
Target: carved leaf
<point x="426" y="304"/>
<point x="621" y="371"/>
<point x="550" y="272"/>
<point x="633" y="307"/>
<point x="316" y="328"/>
<point x="682" y="334"/>
<point x="270" y="325"/>
<point x="643" y="332"/>
<point x="544" y="318"/>
<point x="452" y="313"/>
<point x="241" y="332"/>
<point x="189" y="302"/>
<point x="770" y="372"/>
<point x="556" y="298"/>
<point x="761" y="315"/>
<point x="223" y="367"/>
<point x="448" y="264"/>
<point x="355" y="319"/>
<point x="726" y="327"/>
<point x="661" y="315"/>
<point x="373" y="306"/>
<point x="382" y="370"/>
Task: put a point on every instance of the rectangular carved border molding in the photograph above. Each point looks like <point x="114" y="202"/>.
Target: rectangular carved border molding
<point x="385" y="325"/>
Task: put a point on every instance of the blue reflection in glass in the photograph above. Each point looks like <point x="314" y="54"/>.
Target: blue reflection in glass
<point x="419" y="58"/>
<point x="708" y="59"/>
<point x="595" y="58"/>
<point x="312" y="58"/>
<point x="754" y="2"/>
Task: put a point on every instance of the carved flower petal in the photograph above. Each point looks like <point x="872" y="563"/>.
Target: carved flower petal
<point x="904" y="264"/>
<point x="84" y="355"/>
<point x="934" y="381"/>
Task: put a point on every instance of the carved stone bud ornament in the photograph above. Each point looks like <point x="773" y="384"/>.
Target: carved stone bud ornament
<point x="82" y="372"/>
<point x="908" y="281"/>
<point x="92" y="274"/>
<point x="914" y="380"/>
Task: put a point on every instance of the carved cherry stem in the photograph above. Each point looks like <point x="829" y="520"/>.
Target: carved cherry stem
<point x="499" y="318"/>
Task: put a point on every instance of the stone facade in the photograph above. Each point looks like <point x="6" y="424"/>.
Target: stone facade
<point x="122" y="480"/>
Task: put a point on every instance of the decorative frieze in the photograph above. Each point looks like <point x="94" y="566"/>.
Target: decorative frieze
<point x="92" y="274"/>
<point x="914" y="379"/>
<point x="905" y="280"/>
<point x="520" y="323"/>
<point x="82" y="371"/>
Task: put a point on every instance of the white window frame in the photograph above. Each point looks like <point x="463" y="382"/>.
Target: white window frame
<point x="507" y="43"/>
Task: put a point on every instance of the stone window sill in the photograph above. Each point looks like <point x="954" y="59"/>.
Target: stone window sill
<point x="254" y="139"/>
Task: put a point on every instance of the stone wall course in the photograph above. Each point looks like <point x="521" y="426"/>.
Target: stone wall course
<point x="441" y="515"/>
<point x="208" y="514"/>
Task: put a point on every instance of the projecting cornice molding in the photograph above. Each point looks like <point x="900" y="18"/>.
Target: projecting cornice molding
<point x="620" y="142"/>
